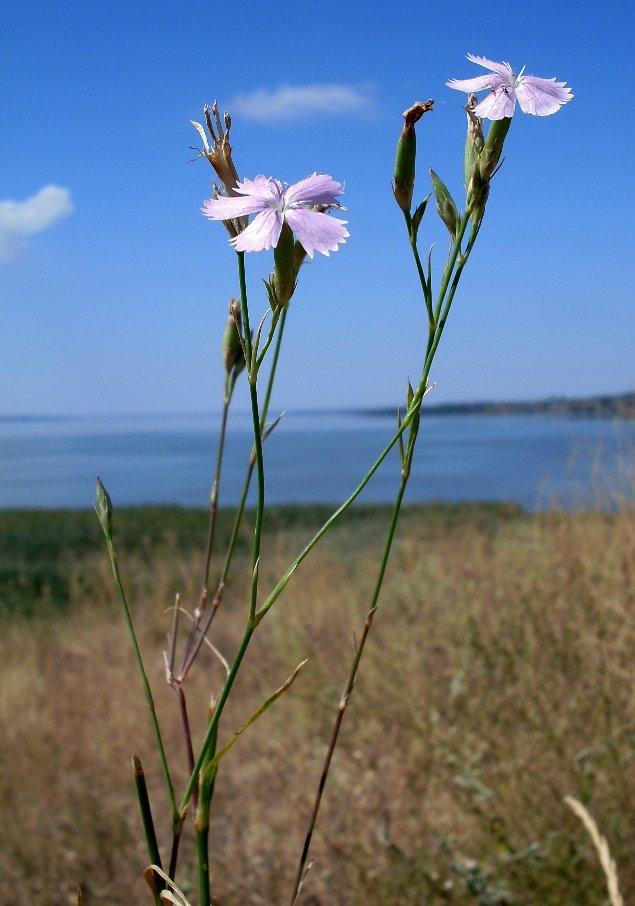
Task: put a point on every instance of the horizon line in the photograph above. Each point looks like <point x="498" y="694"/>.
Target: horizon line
<point x="385" y="409"/>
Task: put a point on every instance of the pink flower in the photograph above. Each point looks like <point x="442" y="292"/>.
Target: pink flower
<point x="275" y="203"/>
<point x="541" y="97"/>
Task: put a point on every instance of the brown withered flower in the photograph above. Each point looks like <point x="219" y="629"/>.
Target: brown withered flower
<point x="219" y="154"/>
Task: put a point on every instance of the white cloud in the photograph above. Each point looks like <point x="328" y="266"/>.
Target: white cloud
<point x="20" y="219"/>
<point x="300" y="102"/>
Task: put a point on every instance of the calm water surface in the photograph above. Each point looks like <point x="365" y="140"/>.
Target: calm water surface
<point x="310" y="458"/>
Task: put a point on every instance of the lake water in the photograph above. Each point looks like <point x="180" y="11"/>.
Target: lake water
<point x="310" y="458"/>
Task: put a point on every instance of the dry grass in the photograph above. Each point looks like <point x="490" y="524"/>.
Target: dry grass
<point x="499" y="678"/>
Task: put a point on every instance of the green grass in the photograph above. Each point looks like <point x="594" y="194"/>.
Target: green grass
<point x="39" y="549"/>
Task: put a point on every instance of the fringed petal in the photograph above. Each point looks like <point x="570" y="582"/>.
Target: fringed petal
<point x="222" y="208"/>
<point x="541" y="97"/>
<point x="317" y="232"/>
<point x="498" y="104"/>
<point x="262" y="233"/>
<point x="316" y="189"/>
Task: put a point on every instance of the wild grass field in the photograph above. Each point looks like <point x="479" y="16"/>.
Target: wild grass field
<point x="499" y="677"/>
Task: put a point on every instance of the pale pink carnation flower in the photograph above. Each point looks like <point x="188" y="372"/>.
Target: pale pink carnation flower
<point x="275" y="203"/>
<point x="541" y="97"/>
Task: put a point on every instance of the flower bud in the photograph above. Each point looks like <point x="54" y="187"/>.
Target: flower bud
<point x="233" y="355"/>
<point x="404" y="175"/>
<point x="103" y="508"/>
<point x="474" y="141"/>
<point x="445" y="205"/>
<point x="284" y="256"/>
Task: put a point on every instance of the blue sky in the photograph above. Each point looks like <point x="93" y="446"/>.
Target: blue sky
<point x="115" y="287"/>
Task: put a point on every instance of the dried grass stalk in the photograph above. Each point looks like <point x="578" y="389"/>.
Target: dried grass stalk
<point x="602" y="847"/>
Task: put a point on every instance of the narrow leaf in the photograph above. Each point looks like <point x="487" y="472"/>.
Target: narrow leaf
<point x="254" y="717"/>
<point x="417" y="217"/>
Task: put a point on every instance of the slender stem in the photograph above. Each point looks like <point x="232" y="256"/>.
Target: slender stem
<point x="174" y="853"/>
<point x="255" y="414"/>
<point x="202" y="852"/>
<point x="272" y="331"/>
<point x="433" y="342"/>
<point x="144" y="680"/>
<point x="436" y="325"/>
<point x="252" y="623"/>
<point x="450" y="266"/>
<point x="274" y="365"/>
<point x="241" y="506"/>
<point x="187" y="733"/>
<point x="260" y="507"/>
<point x="277" y="590"/>
<point x="422" y="279"/>
<point x="216" y="487"/>
<point x="148" y="822"/>
<point x="256" y="616"/>
<point x="242" y="280"/>
<point x="354" y="667"/>
<point x="213" y="724"/>
<point x="208" y="778"/>
<point x="213" y="500"/>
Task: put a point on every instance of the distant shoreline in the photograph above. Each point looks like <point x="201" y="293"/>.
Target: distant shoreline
<point x="615" y="406"/>
<point x="621" y="405"/>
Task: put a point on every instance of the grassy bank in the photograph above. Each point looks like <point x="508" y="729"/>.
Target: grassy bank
<point x="499" y="678"/>
<point x="40" y="551"/>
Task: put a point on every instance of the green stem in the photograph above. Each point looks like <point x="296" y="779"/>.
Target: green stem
<point x="251" y="624"/>
<point x="186" y="660"/>
<point x="274" y="365"/>
<point x="252" y="461"/>
<point x="206" y="793"/>
<point x="202" y="852"/>
<point x="144" y="680"/>
<point x="413" y="412"/>
<point x="243" y="499"/>
<point x="255" y="415"/>
<point x="352" y="675"/>
<point x="446" y="303"/>
<point x="148" y="822"/>
<point x="435" y="330"/>
<point x="434" y="337"/>
<point x="213" y="724"/>
<point x="257" y="617"/>
<point x="177" y="830"/>
<point x="275" y="593"/>
<point x="216" y="485"/>
<point x="450" y="266"/>
<point x="425" y="287"/>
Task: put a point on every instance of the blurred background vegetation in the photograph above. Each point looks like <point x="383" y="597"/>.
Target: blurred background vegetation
<point x="499" y="678"/>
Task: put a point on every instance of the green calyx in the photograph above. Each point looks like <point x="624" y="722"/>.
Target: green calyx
<point x="493" y="148"/>
<point x="284" y="266"/>
<point x="404" y="173"/>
